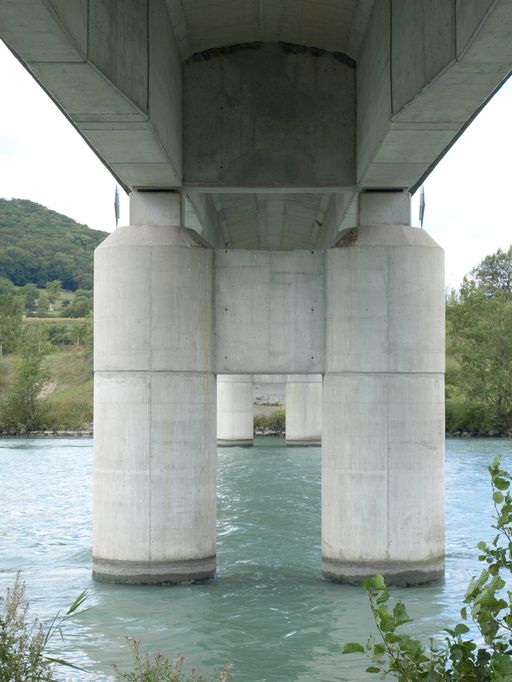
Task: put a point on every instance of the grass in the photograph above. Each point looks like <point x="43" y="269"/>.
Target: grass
<point x="273" y="422"/>
<point x="69" y="402"/>
<point x="69" y="405"/>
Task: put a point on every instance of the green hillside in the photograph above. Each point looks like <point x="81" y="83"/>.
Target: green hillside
<point x="38" y="245"/>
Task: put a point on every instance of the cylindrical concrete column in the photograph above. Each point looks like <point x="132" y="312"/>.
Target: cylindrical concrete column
<point x="235" y="409"/>
<point x="383" y="426"/>
<point x="304" y="409"/>
<point x="154" y="430"/>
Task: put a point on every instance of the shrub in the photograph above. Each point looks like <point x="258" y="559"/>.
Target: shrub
<point x="71" y="414"/>
<point x="10" y="323"/>
<point x="468" y="415"/>
<point x="21" y="408"/>
<point x="273" y="422"/>
<point x="23" y="644"/>
<point x="158" y="668"/>
<point x="486" y="606"/>
<point x="60" y="334"/>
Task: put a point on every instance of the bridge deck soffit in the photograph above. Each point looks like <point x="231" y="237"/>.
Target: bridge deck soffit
<point x="269" y="144"/>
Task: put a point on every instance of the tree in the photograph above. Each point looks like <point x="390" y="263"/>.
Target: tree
<point x="30" y="296"/>
<point x="479" y="324"/>
<point x="37" y="245"/>
<point x="81" y="305"/>
<point x="20" y="409"/>
<point x="6" y="286"/>
<point x="43" y="303"/>
<point x="494" y="274"/>
<point x="82" y="334"/>
<point x="10" y="323"/>
<point x="53" y="289"/>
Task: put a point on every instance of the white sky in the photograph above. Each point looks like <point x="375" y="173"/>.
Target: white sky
<point x="42" y="158"/>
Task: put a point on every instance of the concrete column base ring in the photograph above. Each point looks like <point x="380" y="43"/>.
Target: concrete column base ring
<point x="398" y="573"/>
<point x="153" y="572"/>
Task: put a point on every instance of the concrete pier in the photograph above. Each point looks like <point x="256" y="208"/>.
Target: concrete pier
<point x="235" y="407"/>
<point x="289" y="253"/>
<point x="383" y="426"/>
<point x="304" y="409"/>
<point x="154" y="441"/>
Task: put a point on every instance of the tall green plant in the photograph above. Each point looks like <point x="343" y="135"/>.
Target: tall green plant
<point x="487" y="608"/>
<point x="10" y="322"/>
<point x="20" y="408"/>
<point x="479" y="325"/>
<point x="159" y="668"/>
<point x="24" y="643"/>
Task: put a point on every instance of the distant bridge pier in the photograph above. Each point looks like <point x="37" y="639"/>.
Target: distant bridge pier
<point x="154" y="446"/>
<point x="383" y="422"/>
<point x="304" y="409"/>
<point x="235" y="410"/>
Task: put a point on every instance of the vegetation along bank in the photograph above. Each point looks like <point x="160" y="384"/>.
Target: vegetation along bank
<point x="46" y="280"/>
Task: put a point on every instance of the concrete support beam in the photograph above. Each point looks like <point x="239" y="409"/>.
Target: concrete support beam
<point x="269" y="311"/>
<point x="304" y="410"/>
<point x="115" y="71"/>
<point x="383" y="419"/>
<point x="154" y="450"/>
<point x="233" y="138"/>
<point x="235" y="408"/>
<point x="424" y="70"/>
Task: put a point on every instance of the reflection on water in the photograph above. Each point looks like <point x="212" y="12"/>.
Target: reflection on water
<point x="269" y="612"/>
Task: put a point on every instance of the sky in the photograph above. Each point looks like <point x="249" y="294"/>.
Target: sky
<point x="468" y="195"/>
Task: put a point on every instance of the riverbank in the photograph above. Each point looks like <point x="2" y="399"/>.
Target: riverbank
<point x="478" y="434"/>
<point x="258" y="432"/>
<point x="87" y="433"/>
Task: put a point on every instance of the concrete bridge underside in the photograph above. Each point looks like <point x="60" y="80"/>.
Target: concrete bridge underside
<point x="270" y="148"/>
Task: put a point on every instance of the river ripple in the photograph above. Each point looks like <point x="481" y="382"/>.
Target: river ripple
<point x="269" y="612"/>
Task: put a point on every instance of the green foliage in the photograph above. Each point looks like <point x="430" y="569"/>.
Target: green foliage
<point x="273" y="422"/>
<point x="72" y="414"/>
<point x="30" y="295"/>
<point x="7" y="287"/>
<point x="38" y="245"/>
<point x="479" y="324"/>
<point x="60" y="334"/>
<point x="4" y="374"/>
<point x="470" y="416"/>
<point x="53" y="289"/>
<point x="23" y="644"/>
<point x="43" y="303"/>
<point x="66" y="402"/>
<point x="83" y="335"/>
<point x="10" y="323"/>
<point x="487" y="606"/>
<point x="20" y="409"/>
<point x="158" y="668"/>
<point x="494" y="274"/>
<point x="81" y="305"/>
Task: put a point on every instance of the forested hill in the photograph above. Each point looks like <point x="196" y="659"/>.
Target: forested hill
<point x="38" y="245"/>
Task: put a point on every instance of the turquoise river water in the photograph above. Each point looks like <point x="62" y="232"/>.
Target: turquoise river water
<point x="268" y="611"/>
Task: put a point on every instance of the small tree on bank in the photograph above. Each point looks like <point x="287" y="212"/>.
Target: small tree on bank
<point x="479" y="321"/>
<point x="10" y="323"/>
<point x="21" y="409"/>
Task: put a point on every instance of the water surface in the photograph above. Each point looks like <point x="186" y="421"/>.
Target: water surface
<point x="269" y="611"/>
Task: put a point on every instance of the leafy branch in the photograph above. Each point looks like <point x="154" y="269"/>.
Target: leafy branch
<point x="487" y="606"/>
